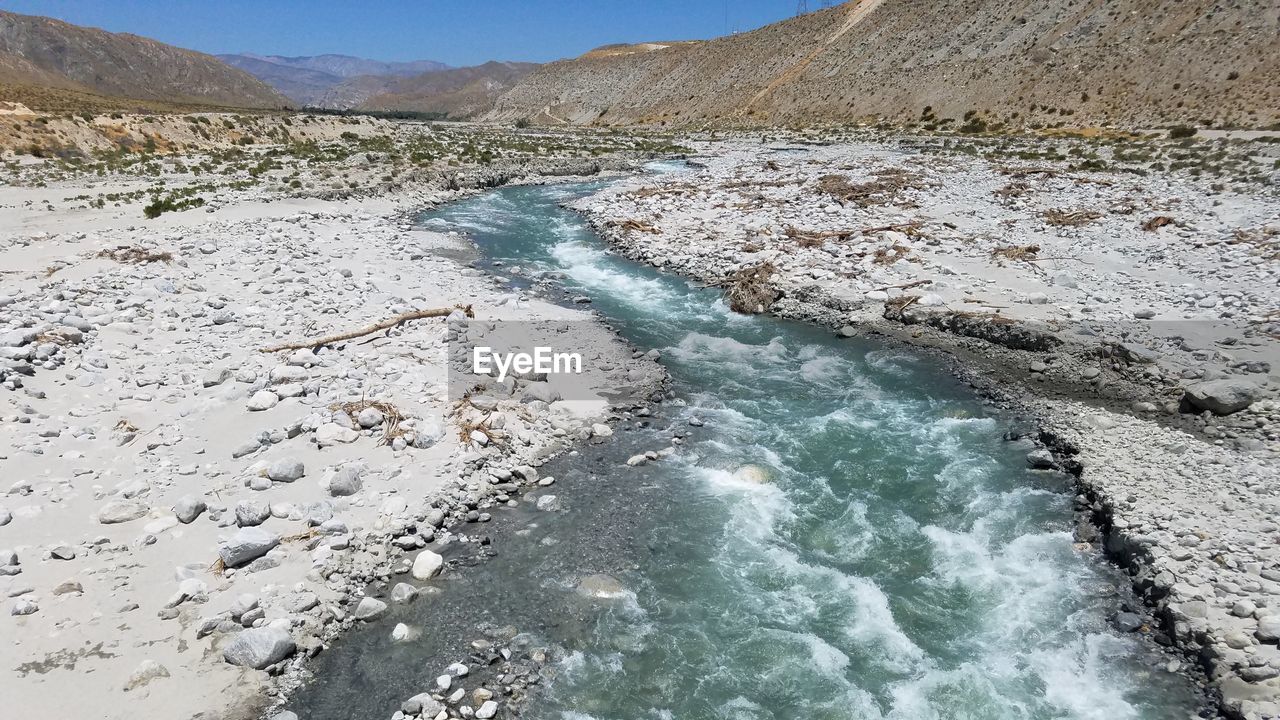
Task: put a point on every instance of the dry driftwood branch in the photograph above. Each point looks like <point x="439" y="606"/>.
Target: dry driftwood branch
<point x="904" y="286"/>
<point x="384" y="325"/>
<point x="900" y="227"/>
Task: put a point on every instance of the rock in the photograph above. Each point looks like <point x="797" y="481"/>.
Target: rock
<point x="487" y="710"/>
<point x="147" y="671"/>
<point x="1040" y="459"/>
<point x="215" y="377"/>
<point x="548" y="503"/>
<point x="401" y="633"/>
<point x="601" y="587"/>
<point x="188" y="508"/>
<point x="286" y="715"/>
<point x="286" y="470"/>
<point x="1144" y="314"/>
<point x="427" y="565"/>
<point x="250" y="513"/>
<point x="754" y="474"/>
<point x="344" y="481"/>
<point x="1221" y="397"/>
<point x="6" y="517"/>
<point x="637" y="460"/>
<point x="69" y="587"/>
<point x="246" y="545"/>
<point x="24" y="606"/>
<point x="370" y="609"/>
<point x="262" y="400"/>
<point x="1127" y="622"/>
<point x="423" y="705"/>
<point x="121" y="511"/>
<point x="444" y="682"/>
<point x="1268" y="629"/>
<point x="8" y="557"/>
<point x="370" y="417"/>
<point x="403" y="593"/>
<point x="260" y="647"/>
<point x="333" y="434"/>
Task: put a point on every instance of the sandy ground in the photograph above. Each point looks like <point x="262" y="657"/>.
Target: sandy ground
<point x="1150" y="355"/>
<point x="137" y="397"/>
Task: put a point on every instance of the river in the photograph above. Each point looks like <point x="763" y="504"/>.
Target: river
<point x="886" y="553"/>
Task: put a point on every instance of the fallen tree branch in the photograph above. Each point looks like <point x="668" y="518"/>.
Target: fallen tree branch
<point x="384" y="325"/>
<point x="904" y="286"/>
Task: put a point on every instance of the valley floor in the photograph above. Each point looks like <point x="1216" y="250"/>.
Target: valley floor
<point x="173" y="484"/>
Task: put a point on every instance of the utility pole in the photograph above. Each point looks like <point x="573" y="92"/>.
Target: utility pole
<point x="802" y="8"/>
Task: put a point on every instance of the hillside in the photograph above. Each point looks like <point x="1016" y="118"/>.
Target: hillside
<point x="38" y="54"/>
<point x="460" y="93"/>
<point x="332" y="81"/>
<point x="1032" y="62"/>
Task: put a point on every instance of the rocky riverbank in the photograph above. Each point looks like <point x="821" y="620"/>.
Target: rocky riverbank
<point x="1134" y="315"/>
<point x="192" y="514"/>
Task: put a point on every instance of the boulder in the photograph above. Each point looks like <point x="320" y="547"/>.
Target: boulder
<point x="247" y="545"/>
<point x="427" y="565"/>
<point x="344" y="481"/>
<point x="259" y="648"/>
<point x="286" y="470"/>
<point x="370" y="609"/>
<point x="121" y="511"/>
<point x="1221" y="397"/>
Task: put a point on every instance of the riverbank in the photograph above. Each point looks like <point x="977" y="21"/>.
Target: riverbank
<point x="193" y="516"/>
<point x="1044" y="282"/>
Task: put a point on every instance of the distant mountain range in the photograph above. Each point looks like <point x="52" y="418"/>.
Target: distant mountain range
<point x="458" y="93"/>
<point x="40" y="53"/>
<point x="332" y="81"/>
<point x="343" y="82"/>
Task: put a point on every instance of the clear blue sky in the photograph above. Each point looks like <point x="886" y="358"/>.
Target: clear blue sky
<point x="458" y="32"/>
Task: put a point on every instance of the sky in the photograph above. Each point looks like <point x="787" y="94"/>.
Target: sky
<point x="457" y="32"/>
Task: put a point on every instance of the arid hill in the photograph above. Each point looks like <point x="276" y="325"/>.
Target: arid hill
<point x="1027" y="62"/>
<point x="460" y="93"/>
<point x="39" y="54"/>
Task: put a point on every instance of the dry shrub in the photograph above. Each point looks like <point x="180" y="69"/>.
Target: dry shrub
<point x="638" y="226"/>
<point x="882" y="190"/>
<point x="890" y="255"/>
<point x="1156" y="223"/>
<point x="391" y="416"/>
<point x="1263" y="240"/>
<point x="136" y="255"/>
<point x="750" y="291"/>
<point x="1021" y="253"/>
<point x="1070" y="218"/>
<point x="1015" y="189"/>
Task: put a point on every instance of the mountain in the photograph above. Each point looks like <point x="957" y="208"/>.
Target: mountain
<point x="1029" y="62"/>
<point x="460" y="93"/>
<point x="316" y="80"/>
<point x="39" y="53"/>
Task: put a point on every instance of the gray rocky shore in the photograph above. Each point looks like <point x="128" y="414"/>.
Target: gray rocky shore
<point x="1147" y="354"/>
<point x="191" y="514"/>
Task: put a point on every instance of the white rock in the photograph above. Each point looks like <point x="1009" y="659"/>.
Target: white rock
<point x="427" y="565"/>
<point x="262" y="400"/>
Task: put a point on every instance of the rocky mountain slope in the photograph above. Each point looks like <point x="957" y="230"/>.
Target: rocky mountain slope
<point x="460" y="93"/>
<point x="336" y="81"/>
<point x="39" y="52"/>
<point x="1027" y="62"/>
